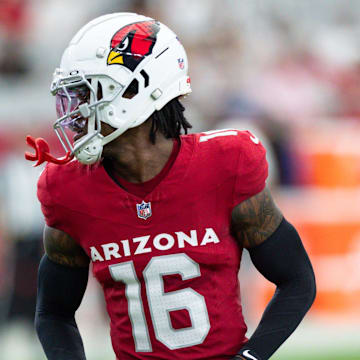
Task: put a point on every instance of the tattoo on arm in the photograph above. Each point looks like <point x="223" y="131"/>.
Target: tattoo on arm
<point x="62" y="249"/>
<point x="255" y="219"/>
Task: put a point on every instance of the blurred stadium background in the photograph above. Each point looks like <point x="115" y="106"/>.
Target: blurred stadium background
<point x="287" y="70"/>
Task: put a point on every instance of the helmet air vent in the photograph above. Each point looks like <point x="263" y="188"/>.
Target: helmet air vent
<point x="132" y="90"/>
<point x="146" y="77"/>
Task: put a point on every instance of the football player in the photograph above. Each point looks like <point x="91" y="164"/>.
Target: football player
<point x="162" y="217"/>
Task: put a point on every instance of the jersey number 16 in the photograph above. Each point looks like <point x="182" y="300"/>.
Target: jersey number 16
<point x="161" y="303"/>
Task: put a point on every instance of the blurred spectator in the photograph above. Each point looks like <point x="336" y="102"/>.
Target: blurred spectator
<point x="14" y="25"/>
<point x="24" y="230"/>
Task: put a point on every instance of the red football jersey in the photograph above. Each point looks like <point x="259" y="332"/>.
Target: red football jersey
<point x="167" y="263"/>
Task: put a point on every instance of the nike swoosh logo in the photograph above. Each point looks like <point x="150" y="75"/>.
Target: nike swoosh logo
<point x="247" y="352"/>
<point x="255" y="140"/>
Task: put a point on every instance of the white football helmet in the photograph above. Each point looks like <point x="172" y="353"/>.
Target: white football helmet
<point x="105" y="58"/>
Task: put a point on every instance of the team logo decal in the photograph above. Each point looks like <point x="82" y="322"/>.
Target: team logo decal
<point x="144" y="210"/>
<point x="132" y="43"/>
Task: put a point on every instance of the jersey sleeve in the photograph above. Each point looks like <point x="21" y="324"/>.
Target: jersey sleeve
<point x="251" y="169"/>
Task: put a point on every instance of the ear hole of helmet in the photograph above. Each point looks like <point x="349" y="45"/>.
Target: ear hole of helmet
<point x="132" y="90"/>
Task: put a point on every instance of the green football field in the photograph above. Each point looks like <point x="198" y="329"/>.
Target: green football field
<point x="339" y="356"/>
<point x="326" y="357"/>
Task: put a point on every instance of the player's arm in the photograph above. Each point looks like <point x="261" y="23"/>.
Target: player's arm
<point x="277" y="252"/>
<point x="62" y="280"/>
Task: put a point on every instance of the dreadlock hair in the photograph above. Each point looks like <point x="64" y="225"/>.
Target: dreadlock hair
<point x="169" y="121"/>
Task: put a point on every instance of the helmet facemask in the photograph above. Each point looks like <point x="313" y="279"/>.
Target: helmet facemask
<point x="79" y="101"/>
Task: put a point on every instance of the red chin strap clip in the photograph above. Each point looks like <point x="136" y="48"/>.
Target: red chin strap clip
<point x="42" y="152"/>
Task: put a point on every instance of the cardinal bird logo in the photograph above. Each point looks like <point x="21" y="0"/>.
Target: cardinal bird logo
<point x="132" y="43"/>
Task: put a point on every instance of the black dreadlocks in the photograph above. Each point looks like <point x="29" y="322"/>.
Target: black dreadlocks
<point x="170" y="121"/>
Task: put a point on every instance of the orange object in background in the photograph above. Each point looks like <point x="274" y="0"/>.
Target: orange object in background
<point x="329" y="153"/>
<point x="330" y="169"/>
<point x="335" y="254"/>
<point x="329" y="225"/>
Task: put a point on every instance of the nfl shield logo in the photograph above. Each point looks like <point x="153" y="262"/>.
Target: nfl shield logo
<point x="144" y="210"/>
<point x="181" y="63"/>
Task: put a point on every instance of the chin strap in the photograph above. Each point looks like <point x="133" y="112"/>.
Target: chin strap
<point x="42" y="152"/>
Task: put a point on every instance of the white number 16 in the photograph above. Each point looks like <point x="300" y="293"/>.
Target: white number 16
<point x="161" y="303"/>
